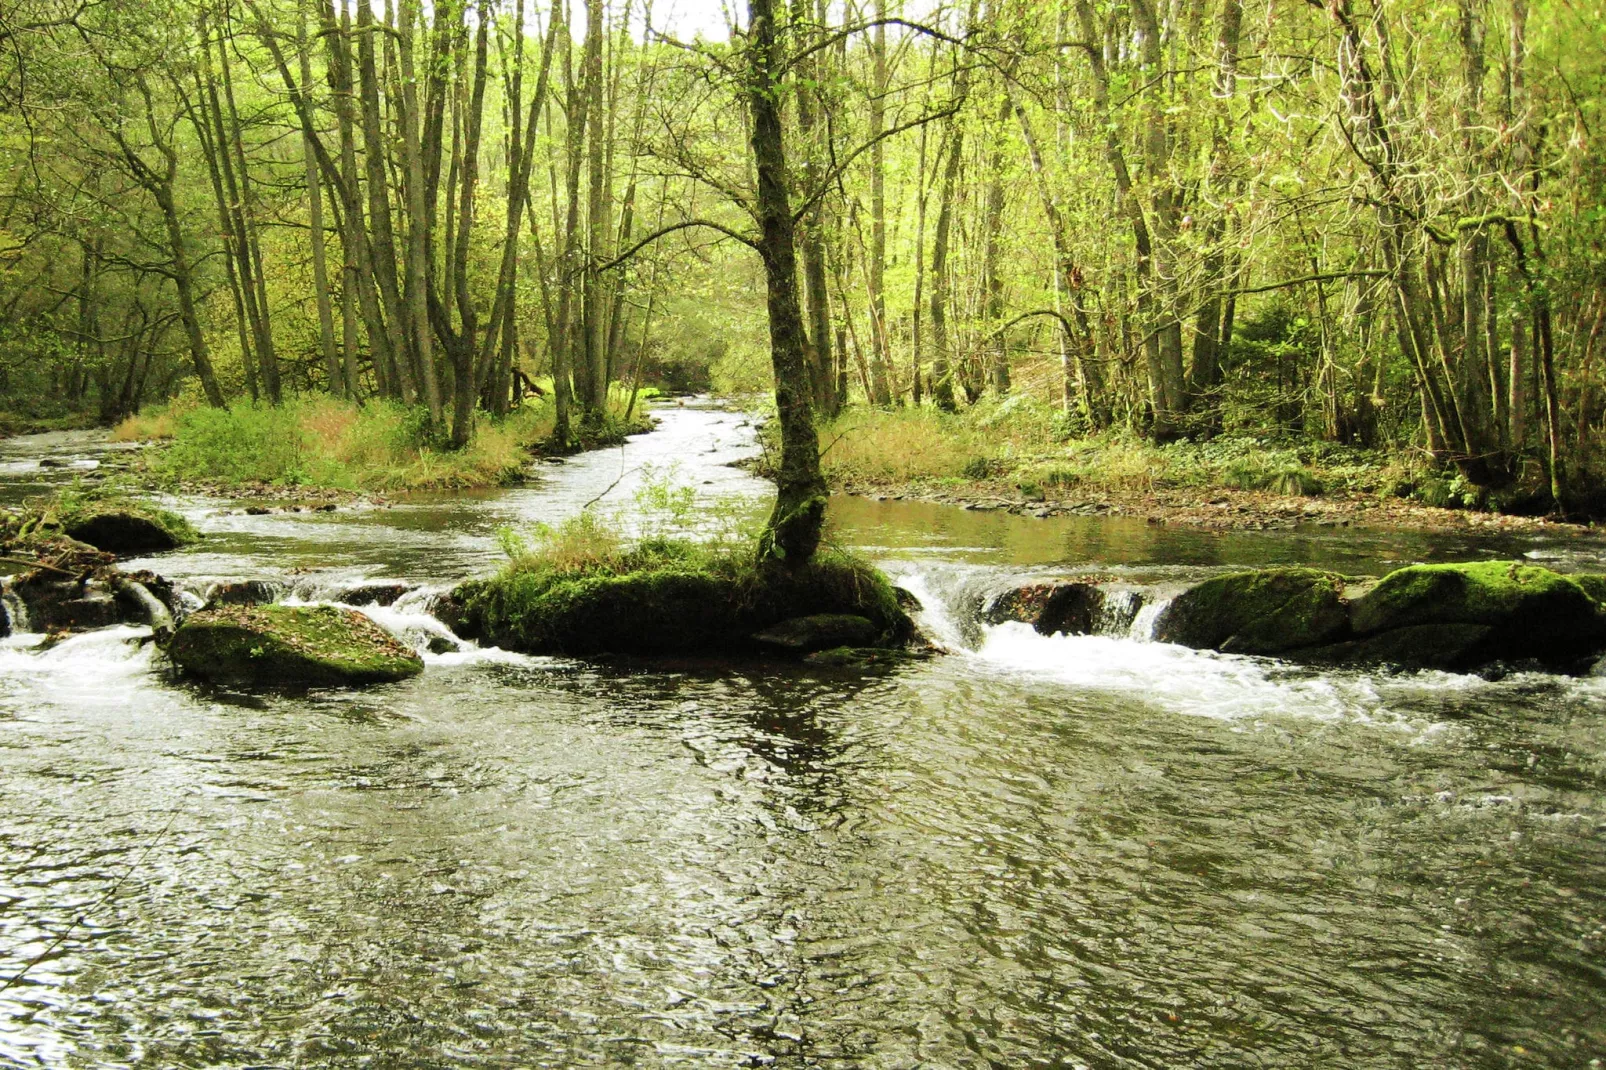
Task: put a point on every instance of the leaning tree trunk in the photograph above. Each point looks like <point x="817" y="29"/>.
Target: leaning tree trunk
<point x="793" y="531"/>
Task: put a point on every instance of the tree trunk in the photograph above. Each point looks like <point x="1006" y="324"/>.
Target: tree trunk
<point x="793" y="531"/>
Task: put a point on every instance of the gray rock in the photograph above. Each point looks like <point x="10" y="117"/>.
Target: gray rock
<point x="242" y="593"/>
<point x="374" y="593"/>
<point x="822" y="631"/>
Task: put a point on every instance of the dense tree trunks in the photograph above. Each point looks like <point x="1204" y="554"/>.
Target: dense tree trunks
<point x="812" y="234"/>
<point x="880" y="392"/>
<point x="594" y="320"/>
<point x="231" y="146"/>
<point x="793" y="531"/>
<point x="942" y="360"/>
<point x="315" y="226"/>
<point x="204" y="133"/>
<point x="399" y="371"/>
<point x="416" y="267"/>
<point x="567" y="344"/>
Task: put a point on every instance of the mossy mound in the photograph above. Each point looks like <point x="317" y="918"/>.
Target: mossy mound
<point x="1593" y="584"/>
<point x="290" y="646"/>
<point x="1457" y="617"/>
<point x="107" y="521"/>
<point x="1270" y="611"/>
<point x="667" y="597"/>
<point x="1524" y="611"/>
<point x="129" y="528"/>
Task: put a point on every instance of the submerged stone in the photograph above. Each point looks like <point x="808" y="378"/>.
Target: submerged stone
<point x="1270" y="611"/>
<point x="804" y="635"/>
<point x="242" y="593"/>
<point x="294" y="646"/>
<point x="374" y="593"/>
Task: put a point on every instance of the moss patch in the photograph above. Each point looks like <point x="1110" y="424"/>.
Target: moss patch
<point x="1270" y="611"/>
<point x="1594" y="585"/>
<point x="667" y="597"/>
<point x="296" y="646"/>
<point x="108" y="521"/>
<point x="1483" y="592"/>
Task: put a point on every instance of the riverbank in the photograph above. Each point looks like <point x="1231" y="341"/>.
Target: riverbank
<point x="1214" y="509"/>
<point x="1020" y="456"/>
<point x="313" y="451"/>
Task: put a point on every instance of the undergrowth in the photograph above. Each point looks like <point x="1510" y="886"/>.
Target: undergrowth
<point x="318" y="441"/>
<point x="1029" y="445"/>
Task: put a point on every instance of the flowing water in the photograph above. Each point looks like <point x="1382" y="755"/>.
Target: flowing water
<point x="1093" y="851"/>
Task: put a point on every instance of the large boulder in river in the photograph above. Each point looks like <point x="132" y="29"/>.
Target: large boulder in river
<point x="1465" y="615"/>
<point x="1456" y="617"/>
<point x="129" y="528"/>
<point x="293" y="646"/>
<point x="1268" y="611"/>
<point x="667" y="598"/>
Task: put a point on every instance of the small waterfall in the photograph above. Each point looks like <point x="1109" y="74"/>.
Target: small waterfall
<point x="1117" y="610"/>
<point x="16" y="614"/>
<point x="1142" y="626"/>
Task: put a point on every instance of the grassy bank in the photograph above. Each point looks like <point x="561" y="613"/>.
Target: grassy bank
<point x="1022" y="445"/>
<point x="318" y="441"/>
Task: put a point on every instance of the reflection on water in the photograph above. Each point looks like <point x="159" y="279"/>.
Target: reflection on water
<point x="1036" y="852"/>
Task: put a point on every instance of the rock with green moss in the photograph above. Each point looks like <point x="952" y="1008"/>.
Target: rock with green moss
<point x="289" y="646"/>
<point x="128" y="527"/>
<point x="1269" y="611"/>
<point x="1594" y="585"/>
<point x="1483" y="611"/>
<point x="667" y="598"/>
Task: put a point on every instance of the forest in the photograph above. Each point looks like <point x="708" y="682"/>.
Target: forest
<point x="1376" y="223"/>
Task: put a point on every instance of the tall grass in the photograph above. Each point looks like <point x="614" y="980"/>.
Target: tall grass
<point x="317" y="441"/>
<point x="1027" y="444"/>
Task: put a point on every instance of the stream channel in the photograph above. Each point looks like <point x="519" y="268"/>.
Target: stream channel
<point x="1093" y="851"/>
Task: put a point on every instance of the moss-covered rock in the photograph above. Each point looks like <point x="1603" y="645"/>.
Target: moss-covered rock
<point x="129" y="528"/>
<point x="666" y="599"/>
<point x="1527" y="612"/>
<point x="1269" y="611"/>
<point x="1594" y="585"/>
<point x="1417" y="646"/>
<point x="291" y="646"/>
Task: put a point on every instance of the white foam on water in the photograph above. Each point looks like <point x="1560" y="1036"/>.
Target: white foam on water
<point x="1199" y="683"/>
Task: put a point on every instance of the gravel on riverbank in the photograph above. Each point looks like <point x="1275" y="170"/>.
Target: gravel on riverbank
<point x="1220" y="509"/>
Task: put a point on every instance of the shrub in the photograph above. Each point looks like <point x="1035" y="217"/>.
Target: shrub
<point x="325" y="442"/>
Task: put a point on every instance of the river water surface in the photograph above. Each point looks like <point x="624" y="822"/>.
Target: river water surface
<point x="1059" y="852"/>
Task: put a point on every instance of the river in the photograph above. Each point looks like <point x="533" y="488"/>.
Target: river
<point x="1061" y="852"/>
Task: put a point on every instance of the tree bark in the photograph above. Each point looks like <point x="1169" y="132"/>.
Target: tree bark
<point x="793" y="531"/>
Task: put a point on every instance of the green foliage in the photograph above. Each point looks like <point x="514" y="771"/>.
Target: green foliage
<point x="318" y="441"/>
